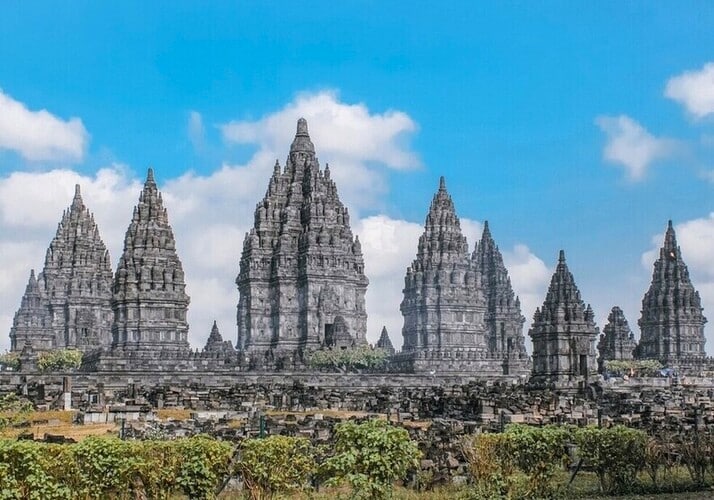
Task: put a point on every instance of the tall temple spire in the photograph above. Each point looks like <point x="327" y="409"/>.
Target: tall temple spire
<point x="74" y="287"/>
<point x="504" y="321"/>
<point x="385" y="343"/>
<point x="672" y="320"/>
<point x="301" y="268"/>
<point x="563" y="332"/>
<point x="150" y="300"/>
<point x="443" y="306"/>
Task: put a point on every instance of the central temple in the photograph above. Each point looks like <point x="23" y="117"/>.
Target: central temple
<point x="301" y="280"/>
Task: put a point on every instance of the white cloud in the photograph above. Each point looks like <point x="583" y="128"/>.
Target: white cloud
<point x="696" y="239"/>
<point x="196" y="130"/>
<point x="529" y="277"/>
<point x="632" y="146"/>
<point x="40" y="135"/>
<point x="694" y="90"/>
<point x="354" y="141"/>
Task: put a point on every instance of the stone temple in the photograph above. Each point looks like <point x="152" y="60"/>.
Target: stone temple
<point x="301" y="278"/>
<point x="672" y="322"/>
<point x="460" y="312"/>
<point x="302" y="286"/>
<point x="69" y="303"/>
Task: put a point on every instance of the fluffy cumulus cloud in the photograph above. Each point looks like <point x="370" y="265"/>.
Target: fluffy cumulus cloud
<point x="357" y="143"/>
<point x="696" y="239"/>
<point x="694" y="90"/>
<point x="630" y="145"/>
<point x="40" y="135"/>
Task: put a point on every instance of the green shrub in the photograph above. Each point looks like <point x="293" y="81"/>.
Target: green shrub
<point x="59" y="359"/>
<point x="617" y="454"/>
<point x="490" y="460"/>
<point x="370" y="456"/>
<point x="353" y="358"/>
<point x="204" y="461"/>
<point x="10" y="360"/>
<point x="276" y="464"/>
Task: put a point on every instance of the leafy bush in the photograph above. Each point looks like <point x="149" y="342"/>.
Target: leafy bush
<point x="13" y="409"/>
<point x="617" y="454"/>
<point x="276" y="464"/>
<point x="353" y="358"/>
<point x="370" y="456"/>
<point x="10" y="360"/>
<point x="59" y="359"/>
<point x="100" y="468"/>
<point x="491" y="465"/>
<point x="641" y="368"/>
<point x="538" y="452"/>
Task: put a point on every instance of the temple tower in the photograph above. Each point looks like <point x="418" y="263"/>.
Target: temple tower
<point x="503" y="319"/>
<point x="672" y="323"/>
<point x="74" y="286"/>
<point x="150" y="300"/>
<point x="617" y="341"/>
<point x="301" y="278"/>
<point x="32" y="324"/>
<point x="443" y="306"/>
<point x="563" y="333"/>
<point x="384" y="342"/>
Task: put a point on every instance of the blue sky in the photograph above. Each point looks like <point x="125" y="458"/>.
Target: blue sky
<point x="516" y="103"/>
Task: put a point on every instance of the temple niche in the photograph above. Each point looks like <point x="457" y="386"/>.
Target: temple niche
<point x="563" y="334"/>
<point x="301" y="279"/>
<point x="672" y="321"/>
<point x="68" y="305"/>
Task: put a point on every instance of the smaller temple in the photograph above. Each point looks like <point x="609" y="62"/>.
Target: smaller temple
<point x="215" y="342"/>
<point x="32" y="325"/>
<point x="617" y="341"/>
<point x="672" y="322"/>
<point x="563" y="334"/>
<point x="385" y="342"/>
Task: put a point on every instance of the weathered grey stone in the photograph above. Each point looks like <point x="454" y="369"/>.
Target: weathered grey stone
<point x="385" y="343"/>
<point x="563" y="333"/>
<point x="150" y="300"/>
<point x="672" y="323"/>
<point x="71" y="299"/>
<point x="301" y="278"/>
<point x="617" y="341"/>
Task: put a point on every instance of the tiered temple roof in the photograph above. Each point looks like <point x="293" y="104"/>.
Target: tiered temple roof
<point x="75" y="285"/>
<point x="672" y="322"/>
<point x="150" y="300"/>
<point x="301" y="268"/>
<point x="503" y="319"/>
<point x="32" y="325"/>
<point x="443" y="306"/>
<point x="617" y="341"/>
<point x="563" y="332"/>
<point x="384" y="342"/>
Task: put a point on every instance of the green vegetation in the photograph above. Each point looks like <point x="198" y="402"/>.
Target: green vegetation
<point x="370" y="456"/>
<point x="351" y="359"/>
<point x="59" y="360"/>
<point x="10" y="360"/>
<point x="276" y="465"/>
<point x="100" y="468"/>
<point x="637" y="368"/>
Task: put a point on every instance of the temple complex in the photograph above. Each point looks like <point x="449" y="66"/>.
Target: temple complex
<point x="563" y="334"/>
<point x="150" y="300"/>
<point x="672" y="322"/>
<point x="617" y="342"/>
<point x="69" y="305"/>
<point x="301" y="278"/>
<point x="302" y="288"/>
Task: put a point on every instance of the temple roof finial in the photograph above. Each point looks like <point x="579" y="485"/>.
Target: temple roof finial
<point x="670" y="238"/>
<point x="150" y="176"/>
<point x="561" y="257"/>
<point x="442" y="183"/>
<point x="302" y="142"/>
